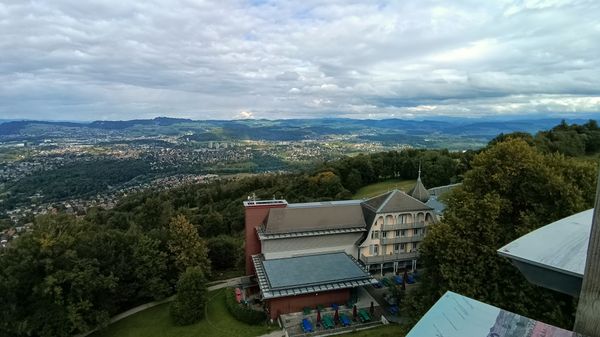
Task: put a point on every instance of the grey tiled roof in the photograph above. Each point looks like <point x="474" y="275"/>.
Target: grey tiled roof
<point x="395" y="201"/>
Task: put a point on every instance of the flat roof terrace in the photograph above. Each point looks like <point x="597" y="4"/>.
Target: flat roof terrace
<point x="309" y="274"/>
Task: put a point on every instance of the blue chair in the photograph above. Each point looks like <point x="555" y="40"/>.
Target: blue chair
<point x="345" y="320"/>
<point x="307" y="325"/>
<point x="410" y="279"/>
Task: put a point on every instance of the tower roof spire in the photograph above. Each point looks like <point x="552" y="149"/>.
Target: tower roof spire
<point x="419" y="192"/>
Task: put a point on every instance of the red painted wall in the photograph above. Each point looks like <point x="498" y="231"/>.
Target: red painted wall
<point x="255" y="216"/>
<point x="285" y="305"/>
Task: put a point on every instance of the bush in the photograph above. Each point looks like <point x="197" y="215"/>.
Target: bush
<point x="241" y="313"/>
<point x="188" y="307"/>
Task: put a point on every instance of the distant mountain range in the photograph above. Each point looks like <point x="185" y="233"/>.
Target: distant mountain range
<point x="390" y="131"/>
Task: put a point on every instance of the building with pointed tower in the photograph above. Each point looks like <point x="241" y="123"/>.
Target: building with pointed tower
<point x="306" y="254"/>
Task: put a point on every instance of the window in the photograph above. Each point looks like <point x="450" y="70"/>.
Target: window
<point x="397" y="233"/>
<point x="375" y="235"/>
<point x="415" y="232"/>
<point x="415" y="246"/>
<point x="384" y="234"/>
<point x="403" y="232"/>
<point x="375" y="249"/>
<point x="402" y="247"/>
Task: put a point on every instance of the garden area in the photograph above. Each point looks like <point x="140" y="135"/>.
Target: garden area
<point x="156" y="322"/>
<point x="375" y="189"/>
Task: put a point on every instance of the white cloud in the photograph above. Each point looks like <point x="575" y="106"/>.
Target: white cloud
<point x="212" y="59"/>
<point x="245" y="115"/>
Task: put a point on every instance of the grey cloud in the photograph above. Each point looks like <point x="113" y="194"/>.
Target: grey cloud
<point x="287" y="76"/>
<point x="69" y="59"/>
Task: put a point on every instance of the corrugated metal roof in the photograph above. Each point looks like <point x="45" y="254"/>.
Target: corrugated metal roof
<point x="454" y="315"/>
<point x="264" y="236"/>
<point x="324" y="203"/>
<point x="323" y="217"/>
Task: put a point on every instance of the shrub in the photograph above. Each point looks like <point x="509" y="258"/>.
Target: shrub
<point x="240" y="312"/>
<point x="188" y="307"/>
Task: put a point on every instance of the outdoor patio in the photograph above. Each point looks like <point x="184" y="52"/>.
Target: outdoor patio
<point x="292" y="323"/>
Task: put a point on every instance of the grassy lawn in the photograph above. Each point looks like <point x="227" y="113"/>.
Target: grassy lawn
<point x="384" y="186"/>
<point x="390" y="330"/>
<point x="155" y="322"/>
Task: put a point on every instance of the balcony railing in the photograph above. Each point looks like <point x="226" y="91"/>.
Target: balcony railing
<point x="402" y="239"/>
<point x="399" y="226"/>
<point x="388" y="258"/>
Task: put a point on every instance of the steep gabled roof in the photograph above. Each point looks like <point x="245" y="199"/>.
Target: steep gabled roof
<point x="395" y="201"/>
<point x="376" y="202"/>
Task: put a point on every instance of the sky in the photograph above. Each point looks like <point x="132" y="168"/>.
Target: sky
<point x="116" y="59"/>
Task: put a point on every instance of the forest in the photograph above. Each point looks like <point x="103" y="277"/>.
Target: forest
<point x="70" y="274"/>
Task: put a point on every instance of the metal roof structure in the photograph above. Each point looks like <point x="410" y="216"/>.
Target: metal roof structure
<point x="262" y="235"/>
<point x="309" y="274"/>
<point x="437" y="205"/>
<point x="454" y="315"/>
<point x="324" y="203"/>
<point x="554" y="256"/>
<point x="439" y="190"/>
<point x="324" y="216"/>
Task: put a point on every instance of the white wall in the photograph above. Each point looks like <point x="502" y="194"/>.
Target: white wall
<point x="280" y="248"/>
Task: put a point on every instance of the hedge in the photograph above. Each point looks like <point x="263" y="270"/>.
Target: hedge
<point x="240" y="312"/>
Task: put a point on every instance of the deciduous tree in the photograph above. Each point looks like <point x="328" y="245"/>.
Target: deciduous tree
<point x="511" y="190"/>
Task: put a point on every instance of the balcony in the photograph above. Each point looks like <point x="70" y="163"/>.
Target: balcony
<point x="402" y="239"/>
<point x="399" y="226"/>
<point x="388" y="258"/>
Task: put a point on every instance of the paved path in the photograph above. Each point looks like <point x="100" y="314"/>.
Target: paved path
<point x="276" y="333"/>
<point x="221" y="284"/>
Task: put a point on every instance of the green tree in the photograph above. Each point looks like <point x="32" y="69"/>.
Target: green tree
<point x="224" y="252"/>
<point x="188" y="307"/>
<point x="186" y="246"/>
<point x="511" y="190"/>
<point x="50" y="285"/>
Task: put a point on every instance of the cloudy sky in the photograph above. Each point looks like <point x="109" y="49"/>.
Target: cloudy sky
<point x="120" y="59"/>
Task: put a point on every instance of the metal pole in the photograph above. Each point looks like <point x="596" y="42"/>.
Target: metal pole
<point x="587" y="320"/>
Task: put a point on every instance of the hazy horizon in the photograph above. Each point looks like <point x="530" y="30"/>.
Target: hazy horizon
<point x="498" y="118"/>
